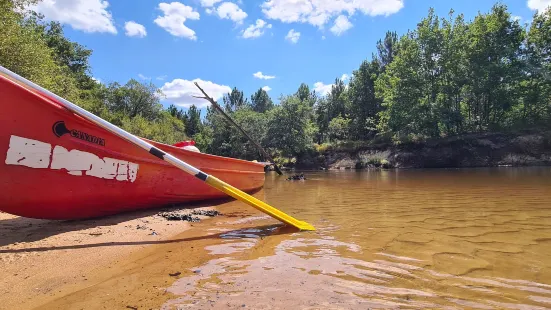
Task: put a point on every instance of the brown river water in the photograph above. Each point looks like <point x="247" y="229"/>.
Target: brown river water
<point x="447" y="239"/>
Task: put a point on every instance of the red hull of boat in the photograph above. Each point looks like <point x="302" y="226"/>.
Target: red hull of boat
<point x="57" y="165"/>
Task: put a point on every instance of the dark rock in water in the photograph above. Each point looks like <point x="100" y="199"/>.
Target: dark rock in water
<point x="172" y="216"/>
<point x="209" y="213"/>
<point x="296" y="177"/>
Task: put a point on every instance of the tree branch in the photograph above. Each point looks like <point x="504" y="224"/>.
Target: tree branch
<point x="228" y="118"/>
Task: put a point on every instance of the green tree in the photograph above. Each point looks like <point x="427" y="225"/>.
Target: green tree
<point x="178" y="113"/>
<point x="133" y="99"/>
<point x="337" y="99"/>
<point x="165" y="128"/>
<point x="536" y="104"/>
<point x="289" y="127"/>
<point x="192" y="121"/>
<point x="321" y="111"/>
<point x="235" y="100"/>
<point x="493" y="68"/>
<point x="24" y="50"/>
<point x="339" y="129"/>
<point x="255" y="124"/>
<point x="387" y="49"/>
<point x="452" y="62"/>
<point x="70" y="54"/>
<point x="261" y="101"/>
<point x="401" y="87"/>
<point x="304" y="94"/>
<point x="364" y="104"/>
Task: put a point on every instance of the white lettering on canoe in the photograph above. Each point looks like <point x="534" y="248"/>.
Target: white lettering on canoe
<point x="27" y="152"/>
<point x="36" y="154"/>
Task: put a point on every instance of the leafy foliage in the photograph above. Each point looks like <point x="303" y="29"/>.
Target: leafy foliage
<point x="261" y="101"/>
<point x="40" y="52"/>
<point x="235" y="100"/>
<point x="447" y="76"/>
<point x="289" y="127"/>
<point x="339" y="129"/>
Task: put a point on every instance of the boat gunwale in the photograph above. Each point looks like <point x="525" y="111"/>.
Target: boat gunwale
<point x="125" y="156"/>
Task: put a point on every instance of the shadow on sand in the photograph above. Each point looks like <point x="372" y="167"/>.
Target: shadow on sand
<point x="259" y="231"/>
<point x="22" y="229"/>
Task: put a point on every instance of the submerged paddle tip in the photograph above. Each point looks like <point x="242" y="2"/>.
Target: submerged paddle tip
<point x="306" y="226"/>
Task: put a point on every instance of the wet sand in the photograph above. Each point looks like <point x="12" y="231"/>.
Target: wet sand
<point x="118" y="260"/>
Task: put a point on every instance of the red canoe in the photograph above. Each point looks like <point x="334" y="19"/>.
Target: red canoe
<point x="57" y="165"/>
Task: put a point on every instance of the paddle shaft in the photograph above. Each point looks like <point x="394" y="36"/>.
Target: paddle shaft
<point x="108" y="126"/>
<point x="210" y="180"/>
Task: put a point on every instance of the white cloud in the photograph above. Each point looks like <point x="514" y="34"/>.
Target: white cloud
<point x="319" y="12"/>
<point x="323" y="37"/>
<point x="341" y="25"/>
<point x="293" y="36"/>
<point x="322" y="89"/>
<point x="143" y="77"/>
<point x="260" y="75"/>
<point x="209" y="3"/>
<point x="229" y="10"/>
<point x="516" y="18"/>
<point x="175" y="15"/>
<point x="266" y="88"/>
<point x="97" y="80"/>
<point x="539" y="5"/>
<point x="134" y="29"/>
<point x="181" y="92"/>
<point x="161" y="77"/>
<point x="256" y="30"/>
<point x="85" y="15"/>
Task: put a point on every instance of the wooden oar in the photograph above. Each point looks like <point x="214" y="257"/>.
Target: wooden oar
<point x="229" y="119"/>
<point x="209" y="179"/>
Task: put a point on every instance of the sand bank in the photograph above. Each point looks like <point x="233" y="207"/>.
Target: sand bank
<point x="117" y="262"/>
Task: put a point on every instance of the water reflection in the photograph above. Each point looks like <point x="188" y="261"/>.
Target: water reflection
<point x="417" y="239"/>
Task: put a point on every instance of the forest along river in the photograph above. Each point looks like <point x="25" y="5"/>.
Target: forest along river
<point x="471" y="238"/>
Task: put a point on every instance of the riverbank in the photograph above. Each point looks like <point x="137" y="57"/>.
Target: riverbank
<point x="386" y="239"/>
<point x="49" y="264"/>
<point x="526" y="148"/>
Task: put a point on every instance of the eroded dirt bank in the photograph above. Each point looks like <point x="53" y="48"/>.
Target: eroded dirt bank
<point x="476" y="150"/>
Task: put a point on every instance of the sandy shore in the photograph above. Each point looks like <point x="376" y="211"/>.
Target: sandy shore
<point x="113" y="263"/>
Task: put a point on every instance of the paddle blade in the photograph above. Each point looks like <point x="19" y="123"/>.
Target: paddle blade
<point x="256" y="203"/>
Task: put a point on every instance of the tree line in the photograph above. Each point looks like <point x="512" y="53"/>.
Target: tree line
<point x="446" y="77"/>
<point x="39" y="51"/>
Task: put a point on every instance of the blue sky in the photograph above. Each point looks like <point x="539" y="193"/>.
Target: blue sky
<point x="223" y="43"/>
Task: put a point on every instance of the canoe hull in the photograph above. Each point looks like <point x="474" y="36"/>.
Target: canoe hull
<point x="57" y="165"/>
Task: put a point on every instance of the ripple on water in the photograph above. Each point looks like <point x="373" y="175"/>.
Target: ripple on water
<point x="406" y="239"/>
<point x="288" y="279"/>
<point x="457" y="263"/>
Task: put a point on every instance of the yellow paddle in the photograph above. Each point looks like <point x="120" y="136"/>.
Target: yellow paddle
<point x="256" y="203"/>
<point x="209" y="179"/>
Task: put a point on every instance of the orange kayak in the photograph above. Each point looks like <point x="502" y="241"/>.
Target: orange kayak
<point x="57" y="165"/>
